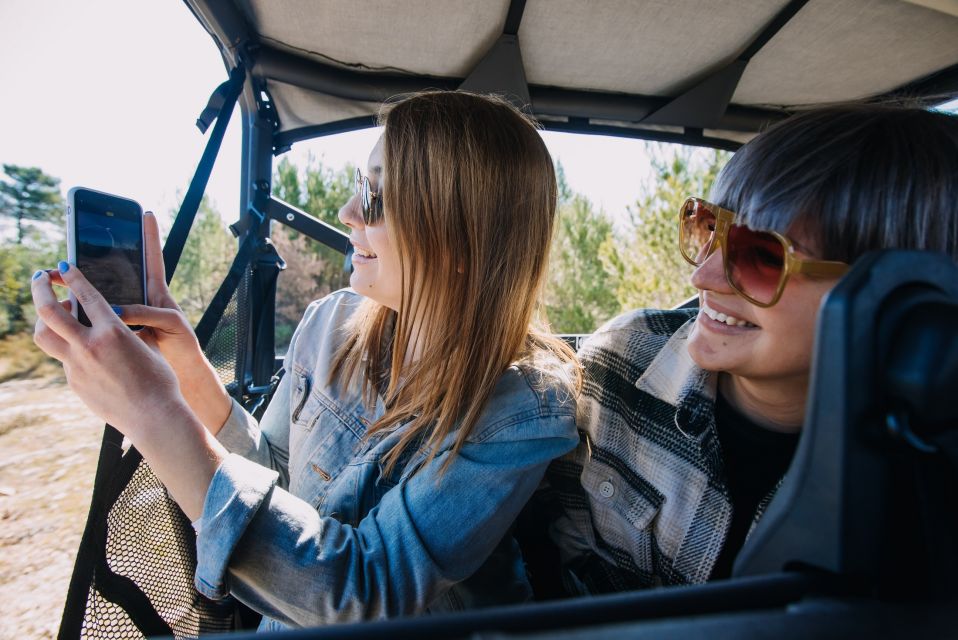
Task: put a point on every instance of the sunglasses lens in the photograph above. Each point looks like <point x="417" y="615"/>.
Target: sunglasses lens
<point x="371" y="203"/>
<point x="755" y="263"/>
<point x="698" y="231"/>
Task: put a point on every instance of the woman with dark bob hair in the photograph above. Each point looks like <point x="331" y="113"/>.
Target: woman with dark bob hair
<point x="418" y="411"/>
<point x="692" y="416"/>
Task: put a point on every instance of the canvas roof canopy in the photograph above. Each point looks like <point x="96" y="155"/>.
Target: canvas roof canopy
<point x="701" y="72"/>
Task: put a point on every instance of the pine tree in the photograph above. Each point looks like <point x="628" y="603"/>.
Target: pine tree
<point x="580" y="293"/>
<point x="207" y="255"/>
<point x="30" y="194"/>
<point x="313" y="270"/>
<point x="649" y="269"/>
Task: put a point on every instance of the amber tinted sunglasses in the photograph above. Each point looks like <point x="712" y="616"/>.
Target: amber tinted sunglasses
<point x="757" y="263"/>
<point x="372" y="201"/>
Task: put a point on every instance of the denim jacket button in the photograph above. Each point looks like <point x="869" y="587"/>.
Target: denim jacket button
<point x="606" y="490"/>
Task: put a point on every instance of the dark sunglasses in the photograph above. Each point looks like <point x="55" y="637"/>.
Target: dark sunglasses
<point x="757" y="263"/>
<point x="372" y="201"/>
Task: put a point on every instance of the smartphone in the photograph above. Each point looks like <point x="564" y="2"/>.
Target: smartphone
<point x="105" y="240"/>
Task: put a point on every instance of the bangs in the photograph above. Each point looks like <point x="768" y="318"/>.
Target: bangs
<point x="771" y="196"/>
<point x="850" y="179"/>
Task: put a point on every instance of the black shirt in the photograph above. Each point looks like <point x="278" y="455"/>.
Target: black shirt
<point x="755" y="459"/>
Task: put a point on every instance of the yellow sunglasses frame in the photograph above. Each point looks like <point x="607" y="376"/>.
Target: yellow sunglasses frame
<point x="793" y="264"/>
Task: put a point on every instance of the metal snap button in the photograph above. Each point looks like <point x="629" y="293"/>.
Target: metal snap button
<point x="606" y="490"/>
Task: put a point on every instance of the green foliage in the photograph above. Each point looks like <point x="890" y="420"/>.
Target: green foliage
<point x="312" y="270"/>
<point x="580" y="294"/>
<point x="30" y="194"/>
<point x="286" y="183"/>
<point x="319" y="191"/>
<point x="27" y="195"/>
<point x="205" y="261"/>
<point x="17" y="264"/>
<point x="647" y="265"/>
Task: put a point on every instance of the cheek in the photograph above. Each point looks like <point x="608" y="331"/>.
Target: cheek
<point x="789" y="326"/>
<point x="379" y="242"/>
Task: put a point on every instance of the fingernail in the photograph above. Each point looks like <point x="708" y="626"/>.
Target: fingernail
<point x="64" y="266"/>
<point x="38" y="274"/>
<point x="148" y="213"/>
<point x="117" y="310"/>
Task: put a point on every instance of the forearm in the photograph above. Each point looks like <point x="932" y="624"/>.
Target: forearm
<point x="182" y="453"/>
<point x="204" y="393"/>
<point x="277" y="554"/>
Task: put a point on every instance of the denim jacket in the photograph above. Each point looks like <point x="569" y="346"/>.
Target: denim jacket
<point x="302" y="523"/>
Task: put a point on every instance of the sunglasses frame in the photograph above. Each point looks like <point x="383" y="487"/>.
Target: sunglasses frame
<point x="369" y="199"/>
<point x="793" y="264"/>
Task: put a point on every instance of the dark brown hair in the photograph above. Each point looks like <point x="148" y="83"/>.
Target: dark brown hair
<point x="852" y="178"/>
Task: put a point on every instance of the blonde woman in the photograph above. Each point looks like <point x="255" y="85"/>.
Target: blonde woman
<point x="418" y="410"/>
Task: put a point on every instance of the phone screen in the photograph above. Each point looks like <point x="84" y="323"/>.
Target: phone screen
<point x="109" y="246"/>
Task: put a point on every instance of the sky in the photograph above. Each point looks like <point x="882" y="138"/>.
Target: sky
<point x="105" y="94"/>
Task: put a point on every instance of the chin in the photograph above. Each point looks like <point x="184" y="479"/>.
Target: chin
<point x="706" y="356"/>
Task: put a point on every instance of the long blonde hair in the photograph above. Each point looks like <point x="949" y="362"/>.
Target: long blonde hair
<point x="470" y="200"/>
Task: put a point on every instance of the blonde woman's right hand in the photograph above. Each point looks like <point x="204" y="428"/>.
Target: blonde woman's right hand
<point x="167" y="331"/>
<point x="166" y="328"/>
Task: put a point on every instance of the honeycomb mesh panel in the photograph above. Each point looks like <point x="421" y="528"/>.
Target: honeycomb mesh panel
<point x="228" y="336"/>
<point x="145" y="547"/>
<point x="150" y="542"/>
<point x="104" y="619"/>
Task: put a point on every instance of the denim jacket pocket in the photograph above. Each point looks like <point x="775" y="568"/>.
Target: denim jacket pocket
<point x="302" y="384"/>
<point x="328" y="439"/>
<point x="622" y="509"/>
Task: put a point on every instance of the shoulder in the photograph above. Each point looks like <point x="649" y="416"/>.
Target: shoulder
<point x="529" y="402"/>
<point x="338" y="305"/>
<point x="323" y="328"/>
<point x="633" y="339"/>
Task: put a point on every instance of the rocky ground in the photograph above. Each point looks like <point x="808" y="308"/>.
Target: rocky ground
<point x="48" y="450"/>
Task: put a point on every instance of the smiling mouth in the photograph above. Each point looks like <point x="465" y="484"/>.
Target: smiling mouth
<point x="359" y="251"/>
<point x="731" y="321"/>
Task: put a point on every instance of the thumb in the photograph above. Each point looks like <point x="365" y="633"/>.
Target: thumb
<point x="165" y="320"/>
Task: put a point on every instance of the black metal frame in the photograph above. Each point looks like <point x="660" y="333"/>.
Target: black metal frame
<point x="771" y="593"/>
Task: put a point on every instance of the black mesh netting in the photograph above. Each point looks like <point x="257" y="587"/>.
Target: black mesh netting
<point x="149" y="546"/>
<point x="226" y="346"/>
<point x="134" y="573"/>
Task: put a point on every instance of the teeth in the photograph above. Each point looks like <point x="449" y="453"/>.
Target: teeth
<point x="727" y="319"/>
<point x="362" y="252"/>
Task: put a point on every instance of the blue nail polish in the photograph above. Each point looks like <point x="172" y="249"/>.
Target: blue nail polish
<point x="64" y="266"/>
<point x="38" y="274"/>
<point x="117" y="310"/>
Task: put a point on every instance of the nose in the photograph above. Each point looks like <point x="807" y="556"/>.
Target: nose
<point x="351" y="213"/>
<point x="710" y="275"/>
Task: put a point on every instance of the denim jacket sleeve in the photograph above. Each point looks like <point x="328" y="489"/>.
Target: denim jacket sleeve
<point x="266" y="442"/>
<point x="276" y="553"/>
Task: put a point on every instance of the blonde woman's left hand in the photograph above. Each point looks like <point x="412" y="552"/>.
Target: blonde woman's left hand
<point x="115" y="374"/>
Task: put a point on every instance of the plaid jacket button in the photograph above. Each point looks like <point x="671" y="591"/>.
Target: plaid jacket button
<point x="606" y="489"/>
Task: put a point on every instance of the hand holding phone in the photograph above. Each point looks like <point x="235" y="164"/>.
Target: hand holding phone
<point x="105" y="240"/>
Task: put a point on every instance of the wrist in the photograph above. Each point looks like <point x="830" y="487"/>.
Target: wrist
<point x="159" y="418"/>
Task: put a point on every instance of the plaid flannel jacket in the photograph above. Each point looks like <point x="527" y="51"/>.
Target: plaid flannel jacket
<point x="642" y="501"/>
